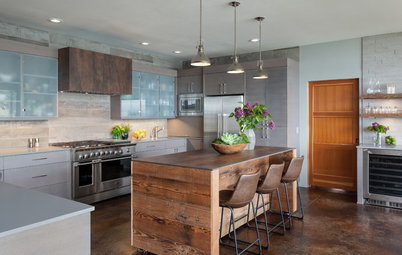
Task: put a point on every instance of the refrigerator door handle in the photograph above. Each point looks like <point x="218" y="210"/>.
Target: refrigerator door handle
<point x="219" y="126"/>
<point x="224" y="124"/>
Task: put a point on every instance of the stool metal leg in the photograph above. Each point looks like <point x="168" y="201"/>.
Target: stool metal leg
<point x="287" y="202"/>
<point x="220" y="228"/>
<point x="265" y="218"/>
<point x="301" y="203"/>
<point x="280" y="209"/>
<point x="256" y="227"/>
<point x="234" y="228"/>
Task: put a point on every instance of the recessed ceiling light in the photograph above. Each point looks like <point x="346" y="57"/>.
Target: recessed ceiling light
<point x="144" y="43"/>
<point x="55" y="20"/>
<point x="254" y="40"/>
<point x="176" y="51"/>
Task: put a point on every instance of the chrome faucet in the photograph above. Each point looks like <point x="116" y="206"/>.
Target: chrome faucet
<point x="155" y="131"/>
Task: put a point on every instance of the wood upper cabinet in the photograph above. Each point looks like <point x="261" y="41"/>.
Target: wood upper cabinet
<point x="224" y="84"/>
<point x="93" y="72"/>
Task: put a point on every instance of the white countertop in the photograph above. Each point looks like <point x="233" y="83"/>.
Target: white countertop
<point x="22" y="209"/>
<point x="11" y="151"/>
<point x="384" y="147"/>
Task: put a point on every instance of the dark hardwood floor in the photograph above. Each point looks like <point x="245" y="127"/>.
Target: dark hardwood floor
<point x="333" y="224"/>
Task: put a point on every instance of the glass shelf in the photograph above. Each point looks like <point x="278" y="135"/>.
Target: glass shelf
<point x="381" y="115"/>
<point x="381" y="96"/>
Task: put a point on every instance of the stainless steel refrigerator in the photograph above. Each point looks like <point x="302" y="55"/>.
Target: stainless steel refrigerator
<point x="216" y="117"/>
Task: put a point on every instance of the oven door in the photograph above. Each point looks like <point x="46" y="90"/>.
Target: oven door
<point x="114" y="173"/>
<point x="84" y="179"/>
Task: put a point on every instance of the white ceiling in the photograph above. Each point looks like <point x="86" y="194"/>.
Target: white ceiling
<point x="174" y="24"/>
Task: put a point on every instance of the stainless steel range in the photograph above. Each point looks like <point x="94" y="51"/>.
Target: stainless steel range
<point x="100" y="169"/>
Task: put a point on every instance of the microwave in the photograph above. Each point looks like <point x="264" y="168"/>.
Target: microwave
<point x="190" y="105"/>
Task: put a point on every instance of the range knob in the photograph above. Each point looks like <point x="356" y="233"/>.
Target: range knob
<point x="101" y="153"/>
<point x="91" y="154"/>
<point x="115" y="152"/>
<point x="86" y="155"/>
<point x="80" y="157"/>
<point x="106" y="152"/>
<point x="96" y="153"/>
<point x="110" y="152"/>
<point x="120" y="151"/>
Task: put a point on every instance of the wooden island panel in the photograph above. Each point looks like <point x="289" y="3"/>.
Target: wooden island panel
<point x="175" y="198"/>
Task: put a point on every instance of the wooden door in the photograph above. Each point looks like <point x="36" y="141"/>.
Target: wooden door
<point x="333" y="133"/>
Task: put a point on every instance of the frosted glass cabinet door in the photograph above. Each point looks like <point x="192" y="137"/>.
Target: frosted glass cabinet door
<point x="149" y="95"/>
<point x="40" y="87"/>
<point x="10" y="84"/>
<point x="130" y="104"/>
<point x="167" y="96"/>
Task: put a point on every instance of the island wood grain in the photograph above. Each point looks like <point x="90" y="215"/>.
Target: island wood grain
<point x="175" y="198"/>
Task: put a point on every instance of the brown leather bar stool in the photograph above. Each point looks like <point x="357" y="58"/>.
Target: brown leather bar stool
<point x="268" y="185"/>
<point x="242" y="195"/>
<point x="291" y="175"/>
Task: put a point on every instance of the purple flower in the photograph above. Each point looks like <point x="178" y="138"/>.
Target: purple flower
<point x="254" y="105"/>
<point x="247" y="105"/>
<point x="239" y="113"/>
<point x="264" y="114"/>
<point x="375" y="124"/>
<point x="271" y="125"/>
<point x="246" y="111"/>
<point x="385" y="129"/>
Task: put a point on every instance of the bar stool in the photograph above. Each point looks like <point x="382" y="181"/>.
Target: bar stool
<point x="242" y="195"/>
<point x="268" y="185"/>
<point x="291" y="175"/>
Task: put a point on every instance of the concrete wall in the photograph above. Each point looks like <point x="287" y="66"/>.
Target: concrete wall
<point x="325" y="61"/>
<point x="382" y="61"/>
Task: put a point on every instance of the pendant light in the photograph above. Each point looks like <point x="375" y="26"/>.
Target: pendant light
<point x="260" y="74"/>
<point x="200" y="59"/>
<point x="235" y="67"/>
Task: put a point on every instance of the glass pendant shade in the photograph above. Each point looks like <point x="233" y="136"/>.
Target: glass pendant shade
<point x="260" y="73"/>
<point x="235" y="67"/>
<point x="200" y="59"/>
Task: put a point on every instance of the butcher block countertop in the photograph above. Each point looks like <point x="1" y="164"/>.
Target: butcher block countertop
<point x="209" y="159"/>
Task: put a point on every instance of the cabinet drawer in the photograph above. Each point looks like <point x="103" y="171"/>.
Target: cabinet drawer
<point x="150" y="146"/>
<point x="34" y="159"/>
<point x="58" y="189"/>
<point x="1" y="163"/>
<point x="175" y="143"/>
<point x="37" y="176"/>
<point x="1" y="175"/>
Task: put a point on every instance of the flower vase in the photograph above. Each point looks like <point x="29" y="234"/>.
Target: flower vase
<point x="251" y="138"/>
<point x="377" y="139"/>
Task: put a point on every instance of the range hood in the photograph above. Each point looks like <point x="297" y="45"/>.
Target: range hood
<point x="92" y="72"/>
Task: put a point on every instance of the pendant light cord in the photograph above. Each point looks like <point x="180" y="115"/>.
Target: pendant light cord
<point x="259" y="41"/>
<point x="200" y="21"/>
<point x="235" y="22"/>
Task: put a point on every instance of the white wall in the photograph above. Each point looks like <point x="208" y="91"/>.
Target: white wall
<point x="324" y="61"/>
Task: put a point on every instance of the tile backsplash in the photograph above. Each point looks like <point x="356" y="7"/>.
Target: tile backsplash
<point x="80" y="117"/>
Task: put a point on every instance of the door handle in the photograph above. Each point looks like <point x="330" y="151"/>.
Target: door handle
<point x="357" y="140"/>
<point x="224" y="88"/>
<point x="38" y="159"/>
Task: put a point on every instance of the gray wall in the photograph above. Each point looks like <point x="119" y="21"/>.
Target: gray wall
<point x="325" y="61"/>
<point x="382" y="61"/>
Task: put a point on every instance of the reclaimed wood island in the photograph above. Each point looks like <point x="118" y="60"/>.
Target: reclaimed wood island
<point x="175" y="198"/>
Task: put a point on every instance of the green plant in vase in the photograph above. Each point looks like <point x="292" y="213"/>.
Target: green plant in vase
<point x="117" y="132"/>
<point x="248" y="117"/>
<point x="378" y="129"/>
<point x="126" y="130"/>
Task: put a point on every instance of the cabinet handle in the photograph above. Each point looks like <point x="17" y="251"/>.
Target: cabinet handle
<point x="224" y="86"/>
<point x="191" y="87"/>
<point x="220" y="88"/>
<point x="38" y="159"/>
<point x="39" y="176"/>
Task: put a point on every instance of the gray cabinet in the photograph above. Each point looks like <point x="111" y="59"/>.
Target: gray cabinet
<point x="160" y="147"/>
<point x="49" y="172"/>
<point x="28" y="86"/>
<point x="224" y="84"/>
<point x="153" y="97"/>
<point x="280" y="93"/>
<point x="189" y="84"/>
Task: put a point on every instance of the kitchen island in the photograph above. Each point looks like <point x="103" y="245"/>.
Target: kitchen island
<point x="33" y="222"/>
<point x="175" y="198"/>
